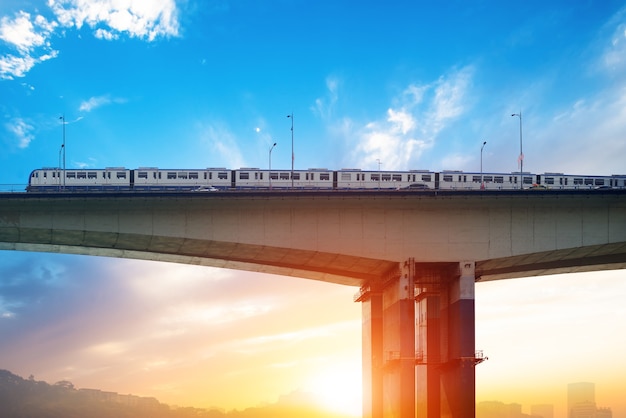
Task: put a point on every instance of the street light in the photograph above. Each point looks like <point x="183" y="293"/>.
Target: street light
<point x="482" y="183"/>
<point x="292" y="155"/>
<point x="63" y="147"/>
<point x="379" y="163"/>
<point x="521" y="154"/>
<point x="270" y="167"/>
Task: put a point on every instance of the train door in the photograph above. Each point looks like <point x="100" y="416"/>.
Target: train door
<point x="132" y="179"/>
<point x="334" y="180"/>
<point x="436" y="181"/>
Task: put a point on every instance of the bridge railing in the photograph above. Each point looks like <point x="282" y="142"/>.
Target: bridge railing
<point x="12" y="187"/>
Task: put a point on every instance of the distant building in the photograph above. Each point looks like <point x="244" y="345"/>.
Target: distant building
<point x="543" y="411"/>
<point x="495" y="409"/>
<point x="581" y="402"/>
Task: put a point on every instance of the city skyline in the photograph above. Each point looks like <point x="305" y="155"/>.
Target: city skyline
<point x="580" y="399"/>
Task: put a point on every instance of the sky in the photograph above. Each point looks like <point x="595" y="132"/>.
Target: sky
<point x="195" y="83"/>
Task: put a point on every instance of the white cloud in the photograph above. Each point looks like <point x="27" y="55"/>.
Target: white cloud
<point x="324" y="106"/>
<point x="95" y="102"/>
<point x="224" y="144"/>
<point x="411" y="126"/>
<point x="29" y="37"/>
<point x="26" y="35"/>
<point x="614" y="57"/>
<point x="140" y="19"/>
<point x="22" y="132"/>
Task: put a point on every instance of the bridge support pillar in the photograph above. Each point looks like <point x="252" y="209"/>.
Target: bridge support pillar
<point x="419" y="343"/>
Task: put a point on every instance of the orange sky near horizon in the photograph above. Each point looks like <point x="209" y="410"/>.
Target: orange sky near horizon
<point x="204" y="337"/>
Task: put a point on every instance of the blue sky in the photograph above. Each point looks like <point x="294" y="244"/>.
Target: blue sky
<point x="193" y="84"/>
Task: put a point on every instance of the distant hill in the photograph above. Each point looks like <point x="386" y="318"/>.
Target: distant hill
<point x="33" y="399"/>
<point x="28" y="398"/>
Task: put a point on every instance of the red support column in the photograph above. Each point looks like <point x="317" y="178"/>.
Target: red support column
<point x="399" y="344"/>
<point x="372" y="354"/>
<point x="458" y="377"/>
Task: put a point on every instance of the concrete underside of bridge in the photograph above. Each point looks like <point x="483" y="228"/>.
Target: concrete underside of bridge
<point x="415" y="257"/>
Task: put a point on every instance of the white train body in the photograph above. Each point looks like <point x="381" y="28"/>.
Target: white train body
<point x="146" y="179"/>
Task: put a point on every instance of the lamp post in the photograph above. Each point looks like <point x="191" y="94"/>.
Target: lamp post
<point x="521" y="153"/>
<point x="482" y="183"/>
<point x="292" y="155"/>
<point x="270" y="166"/>
<point x="379" y="163"/>
<point x="63" y="147"/>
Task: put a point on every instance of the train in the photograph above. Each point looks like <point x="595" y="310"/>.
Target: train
<point x="152" y="179"/>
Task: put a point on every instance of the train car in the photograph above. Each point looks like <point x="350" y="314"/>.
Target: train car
<point x="255" y="178"/>
<point x="155" y="179"/>
<point x="459" y="180"/>
<point x="80" y="180"/>
<point x="356" y="179"/>
<point x="560" y="181"/>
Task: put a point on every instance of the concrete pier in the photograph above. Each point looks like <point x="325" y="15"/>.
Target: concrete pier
<point x="418" y="342"/>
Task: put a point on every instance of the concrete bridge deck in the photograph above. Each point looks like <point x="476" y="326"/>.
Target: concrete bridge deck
<point x="340" y="237"/>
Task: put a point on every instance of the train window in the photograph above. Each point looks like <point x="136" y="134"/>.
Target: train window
<point x="274" y="176"/>
<point x="476" y="179"/>
<point x="121" y="174"/>
<point x="599" y="182"/>
<point x="447" y="177"/>
<point x="193" y="176"/>
<point x="578" y="181"/>
<point x="71" y="175"/>
<point x="487" y="179"/>
<point x="171" y="175"/>
<point x="142" y="175"/>
<point x="588" y="182"/>
<point x="426" y="177"/>
<point x="375" y="177"/>
<point x="222" y="175"/>
<point x="397" y="177"/>
<point x="324" y="176"/>
<point x="549" y="180"/>
<point x="296" y="176"/>
<point x="244" y="176"/>
<point x="498" y="179"/>
<point x="182" y="175"/>
<point x="386" y="177"/>
<point x="346" y="176"/>
<point x="284" y="176"/>
<point x="81" y="175"/>
<point x="92" y="175"/>
<point x="528" y="180"/>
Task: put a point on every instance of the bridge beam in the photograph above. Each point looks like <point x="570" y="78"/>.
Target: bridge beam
<point x="419" y="342"/>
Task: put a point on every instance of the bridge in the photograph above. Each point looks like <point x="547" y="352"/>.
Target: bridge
<point x="414" y="257"/>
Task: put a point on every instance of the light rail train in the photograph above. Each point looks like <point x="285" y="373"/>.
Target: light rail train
<point x="147" y="179"/>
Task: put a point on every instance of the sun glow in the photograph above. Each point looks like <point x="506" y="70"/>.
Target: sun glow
<point x="338" y="389"/>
